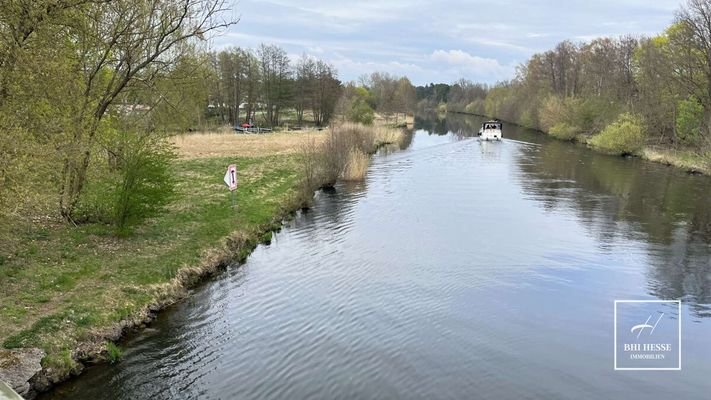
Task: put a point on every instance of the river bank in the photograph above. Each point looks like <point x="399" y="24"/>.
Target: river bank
<point x="69" y="293"/>
<point x="376" y="290"/>
<point x="684" y="158"/>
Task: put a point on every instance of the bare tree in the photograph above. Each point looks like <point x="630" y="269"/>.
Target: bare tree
<point x="276" y="74"/>
<point x="326" y="91"/>
<point x="122" y="43"/>
<point x="691" y="47"/>
<point x="303" y="85"/>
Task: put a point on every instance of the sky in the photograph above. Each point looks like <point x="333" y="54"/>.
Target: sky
<point x="435" y="41"/>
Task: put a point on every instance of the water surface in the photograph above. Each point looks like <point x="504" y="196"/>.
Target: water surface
<point x="459" y="269"/>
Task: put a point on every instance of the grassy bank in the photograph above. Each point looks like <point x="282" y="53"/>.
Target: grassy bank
<point x="69" y="290"/>
<point x="72" y="291"/>
<point x="687" y="159"/>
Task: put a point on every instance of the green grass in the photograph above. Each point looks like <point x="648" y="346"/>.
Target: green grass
<point x="624" y="136"/>
<point x="563" y="131"/>
<point x="64" y="283"/>
<point x="687" y="159"/>
<point x="113" y="353"/>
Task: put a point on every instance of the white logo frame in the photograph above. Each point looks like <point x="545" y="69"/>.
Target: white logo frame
<point x="678" y="304"/>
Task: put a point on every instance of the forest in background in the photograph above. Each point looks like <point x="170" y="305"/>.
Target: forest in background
<point x="91" y="89"/>
<point x="616" y="94"/>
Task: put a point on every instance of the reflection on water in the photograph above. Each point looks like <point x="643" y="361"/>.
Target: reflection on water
<point x="459" y="269"/>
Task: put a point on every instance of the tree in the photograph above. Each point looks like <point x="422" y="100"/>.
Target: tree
<point x="690" y="45"/>
<point x="276" y="74"/>
<point x="657" y="91"/>
<point x="405" y="97"/>
<point x="178" y="100"/>
<point x="304" y="85"/>
<point x="383" y="86"/>
<point x="119" y="45"/>
<point x="326" y="91"/>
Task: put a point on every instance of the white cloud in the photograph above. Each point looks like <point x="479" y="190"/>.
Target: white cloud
<point x="430" y="41"/>
<point x="350" y="68"/>
<point x="465" y="62"/>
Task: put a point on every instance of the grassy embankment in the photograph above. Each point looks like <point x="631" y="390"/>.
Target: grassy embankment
<point x="70" y="285"/>
<point x="71" y="290"/>
<point x="688" y="159"/>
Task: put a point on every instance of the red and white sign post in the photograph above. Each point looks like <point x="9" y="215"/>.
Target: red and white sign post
<point x="231" y="180"/>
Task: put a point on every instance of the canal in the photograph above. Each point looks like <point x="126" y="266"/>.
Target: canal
<point x="458" y="269"/>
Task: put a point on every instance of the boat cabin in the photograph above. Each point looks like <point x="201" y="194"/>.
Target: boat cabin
<point x="491" y="130"/>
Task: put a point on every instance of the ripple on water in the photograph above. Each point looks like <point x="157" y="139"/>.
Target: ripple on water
<point x="458" y="269"/>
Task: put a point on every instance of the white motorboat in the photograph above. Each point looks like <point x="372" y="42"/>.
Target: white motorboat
<point x="491" y="130"/>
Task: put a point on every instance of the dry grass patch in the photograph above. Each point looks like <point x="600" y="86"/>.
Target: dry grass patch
<point x="356" y="165"/>
<point x="399" y="119"/>
<point x="686" y="159"/>
<point x="65" y="283"/>
<point x="385" y="135"/>
<point x="228" y="144"/>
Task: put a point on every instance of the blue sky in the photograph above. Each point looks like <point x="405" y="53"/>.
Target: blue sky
<point x="436" y="41"/>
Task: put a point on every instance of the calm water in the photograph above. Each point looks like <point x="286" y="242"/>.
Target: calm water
<point x="459" y="269"/>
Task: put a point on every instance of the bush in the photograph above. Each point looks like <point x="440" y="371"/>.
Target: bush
<point x="145" y="183"/>
<point x="590" y="115"/>
<point x="475" y="107"/>
<point x="360" y="112"/>
<point x="311" y="161"/>
<point x="564" y="131"/>
<point x="528" y="119"/>
<point x="113" y="353"/>
<point x="689" y="119"/>
<point x="624" y="136"/>
<point x="552" y="113"/>
<point x="344" y="154"/>
<point x="356" y="165"/>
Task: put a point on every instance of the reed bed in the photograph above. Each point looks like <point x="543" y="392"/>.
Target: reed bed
<point x="226" y="143"/>
<point x="356" y="165"/>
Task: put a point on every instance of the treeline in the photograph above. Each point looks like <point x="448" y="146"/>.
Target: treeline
<point x="86" y="87"/>
<point x="257" y="86"/>
<point x="615" y="93"/>
<point x="265" y="87"/>
<point x="387" y="94"/>
<point x="90" y="90"/>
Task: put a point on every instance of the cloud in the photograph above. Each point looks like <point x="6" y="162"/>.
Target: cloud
<point x="481" y="40"/>
<point x="349" y="68"/>
<point x="354" y="14"/>
<point x="467" y="63"/>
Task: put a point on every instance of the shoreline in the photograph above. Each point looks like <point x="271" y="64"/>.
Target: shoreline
<point x="686" y="160"/>
<point x="234" y="251"/>
<point x="101" y="288"/>
<point x="197" y="239"/>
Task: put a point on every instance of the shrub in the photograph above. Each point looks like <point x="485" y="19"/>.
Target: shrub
<point x="552" y="113"/>
<point x="311" y="161"/>
<point x="475" y="107"/>
<point x="564" y="131"/>
<point x="624" y="136"/>
<point x="527" y="119"/>
<point x="113" y="353"/>
<point x="590" y="115"/>
<point x="145" y="183"/>
<point x="361" y="112"/>
<point x="356" y="165"/>
<point x="342" y="153"/>
<point x="690" y="115"/>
